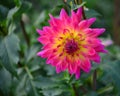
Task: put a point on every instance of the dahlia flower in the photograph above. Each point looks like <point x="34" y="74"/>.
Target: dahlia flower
<point x="70" y="44"/>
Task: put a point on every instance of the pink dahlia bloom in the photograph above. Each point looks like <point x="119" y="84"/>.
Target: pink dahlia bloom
<point x="69" y="43"/>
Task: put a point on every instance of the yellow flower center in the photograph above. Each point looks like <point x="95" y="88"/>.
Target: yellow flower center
<point x="70" y="43"/>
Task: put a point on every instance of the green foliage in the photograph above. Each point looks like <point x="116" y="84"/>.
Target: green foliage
<point x="3" y="13"/>
<point x="111" y="73"/>
<point x="5" y="82"/>
<point x="22" y="73"/>
<point x="9" y="47"/>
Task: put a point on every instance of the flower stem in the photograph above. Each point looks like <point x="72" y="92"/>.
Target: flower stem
<point x="76" y="1"/>
<point x="83" y="89"/>
<point x="28" y="72"/>
<point x="80" y="1"/>
<point x="24" y="32"/>
<point x="94" y="80"/>
<point x="83" y="12"/>
<point x="31" y="78"/>
<point x="75" y="90"/>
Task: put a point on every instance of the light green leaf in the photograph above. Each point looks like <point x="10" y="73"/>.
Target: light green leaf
<point x="11" y="28"/>
<point x="12" y="12"/>
<point x="52" y="92"/>
<point x="9" y="47"/>
<point x="77" y="6"/>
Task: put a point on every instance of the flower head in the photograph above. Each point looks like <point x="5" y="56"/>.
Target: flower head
<point x="69" y="43"/>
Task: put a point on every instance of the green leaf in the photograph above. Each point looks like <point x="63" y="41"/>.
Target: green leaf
<point x="91" y="13"/>
<point x="52" y="92"/>
<point x="50" y="70"/>
<point x="9" y="56"/>
<point x="111" y="73"/>
<point x="41" y="18"/>
<point x="25" y="6"/>
<point x="44" y="83"/>
<point x="91" y="93"/>
<point x="105" y="89"/>
<point x="3" y="13"/>
<point x="74" y="7"/>
<point x="5" y="81"/>
<point x="31" y="53"/>
<point x="12" y="12"/>
<point x="17" y="2"/>
<point x="16" y="12"/>
<point x="20" y="89"/>
<point x="12" y="27"/>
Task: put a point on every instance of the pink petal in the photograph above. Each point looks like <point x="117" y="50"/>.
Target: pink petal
<point x="94" y="42"/>
<point x="43" y="40"/>
<point x="40" y="32"/>
<point x="72" y="67"/>
<point x="55" y="61"/>
<point x="101" y="48"/>
<point x="86" y="23"/>
<point x="64" y="65"/>
<point x="63" y="15"/>
<point x="79" y="13"/>
<point x="86" y="65"/>
<point x="50" y="59"/>
<point x="58" y="67"/>
<point x="44" y="53"/>
<point x="91" y="21"/>
<point x="56" y="29"/>
<point x="47" y="46"/>
<point x="95" y="58"/>
<point x="91" y="51"/>
<point x="94" y="32"/>
<point x="77" y="74"/>
<point x="54" y="21"/>
<point x="98" y="31"/>
<point x="47" y="29"/>
<point x="74" y="17"/>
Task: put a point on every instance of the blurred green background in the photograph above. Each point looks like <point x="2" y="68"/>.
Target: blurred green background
<point x="22" y="73"/>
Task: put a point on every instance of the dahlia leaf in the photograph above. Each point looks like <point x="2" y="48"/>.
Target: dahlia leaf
<point x="16" y="12"/>
<point x="12" y="27"/>
<point x="92" y="93"/>
<point x="111" y="73"/>
<point x="9" y="56"/>
<point x="3" y="13"/>
<point x="78" y="6"/>
<point x="20" y="91"/>
<point x="42" y="82"/>
<point x="5" y="82"/>
<point x="92" y="13"/>
<point x="52" y="92"/>
<point x="31" y="53"/>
